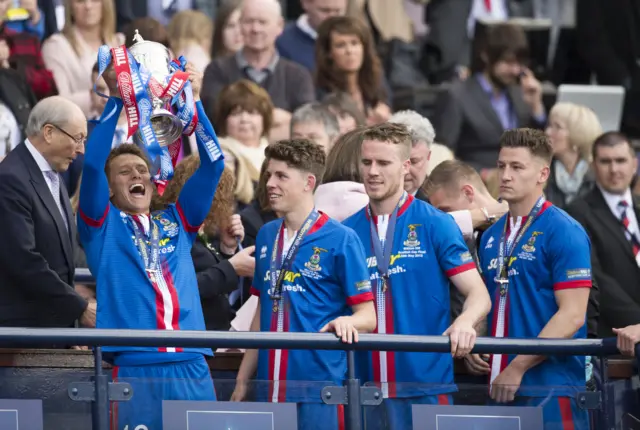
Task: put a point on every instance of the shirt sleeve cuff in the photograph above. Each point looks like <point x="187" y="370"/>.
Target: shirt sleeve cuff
<point x="460" y="269"/>
<point x="463" y="219"/>
<point x="578" y="283"/>
<point x="360" y="298"/>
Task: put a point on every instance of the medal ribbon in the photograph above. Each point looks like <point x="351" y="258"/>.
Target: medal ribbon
<point x="507" y="248"/>
<point x="284" y="265"/>
<point x="383" y="256"/>
<point x="150" y="253"/>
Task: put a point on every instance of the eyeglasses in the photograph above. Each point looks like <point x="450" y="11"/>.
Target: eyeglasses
<point x="79" y="141"/>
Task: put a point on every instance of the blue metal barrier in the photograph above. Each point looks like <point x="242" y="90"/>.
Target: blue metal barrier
<point x="29" y="337"/>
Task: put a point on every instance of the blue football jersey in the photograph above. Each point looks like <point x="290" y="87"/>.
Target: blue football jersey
<point x="130" y="299"/>
<point x="428" y="249"/>
<point x="328" y="275"/>
<point x="553" y="254"/>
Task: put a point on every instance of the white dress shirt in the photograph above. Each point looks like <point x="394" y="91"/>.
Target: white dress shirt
<point x="613" y="200"/>
<point x="42" y="163"/>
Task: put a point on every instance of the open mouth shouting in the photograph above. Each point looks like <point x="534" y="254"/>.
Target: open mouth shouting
<point x="137" y="190"/>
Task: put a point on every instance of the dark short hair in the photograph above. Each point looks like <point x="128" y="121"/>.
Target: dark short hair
<point x="125" y="148"/>
<point x="243" y="95"/>
<point x="610" y="138"/>
<point x="301" y="154"/>
<point x="500" y="42"/>
<point x="536" y="141"/>
<point x="451" y="172"/>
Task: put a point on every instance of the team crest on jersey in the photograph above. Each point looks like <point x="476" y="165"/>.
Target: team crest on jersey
<point x="170" y="228"/>
<point x="412" y="238"/>
<point x="314" y="261"/>
<point x="529" y="246"/>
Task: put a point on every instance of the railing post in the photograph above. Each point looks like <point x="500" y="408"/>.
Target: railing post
<point x="353" y="411"/>
<point x="101" y="402"/>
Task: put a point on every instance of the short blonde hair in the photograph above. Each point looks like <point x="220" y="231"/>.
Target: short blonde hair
<point x="583" y="125"/>
<point x="245" y="173"/>
<point x="188" y="27"/>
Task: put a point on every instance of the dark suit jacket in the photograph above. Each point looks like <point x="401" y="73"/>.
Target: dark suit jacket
<point x="614" y="266"/>
<point x="467" y="123"/>
<point x="216" y="280"/>
<point x="37" y="258"/>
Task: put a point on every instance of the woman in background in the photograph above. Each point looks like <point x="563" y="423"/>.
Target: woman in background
<point x="242" y="118"/>
<point x="346" y="110"/>
<point x="190" y="33"/>
<point x="218" y="263"/>
<point x="245" y="174"/>
<point x="572" y="130"/>
<point x="227" y="38"/>
<point x="342" y="192"/>
<point x="346" y="60"/>
<point x="71" y="54"/>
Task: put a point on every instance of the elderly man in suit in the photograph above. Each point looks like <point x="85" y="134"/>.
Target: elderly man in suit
<point x="610" y="215"/>
<point x="37" y="225"/>
<point x="501" y="94"/>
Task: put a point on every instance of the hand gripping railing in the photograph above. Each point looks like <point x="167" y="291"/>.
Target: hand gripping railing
<point x="29" y="337"/>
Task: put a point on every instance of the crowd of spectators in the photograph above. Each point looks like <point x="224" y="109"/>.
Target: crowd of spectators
<point x="321" y="69"/>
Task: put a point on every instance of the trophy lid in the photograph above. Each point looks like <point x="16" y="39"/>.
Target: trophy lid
<point x="154" y="56"/>
<point x="137" y="38"/>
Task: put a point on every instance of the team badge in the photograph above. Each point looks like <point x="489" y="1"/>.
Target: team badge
<point x="412" y="238"/>
<point x="529" y="246"/>
<point x="314" y="260"/>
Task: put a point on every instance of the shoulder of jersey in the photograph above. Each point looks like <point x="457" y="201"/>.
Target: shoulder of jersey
<point x="559" y="219"/>
<point x="272" y="225"/>
<point x="355" y="218"/>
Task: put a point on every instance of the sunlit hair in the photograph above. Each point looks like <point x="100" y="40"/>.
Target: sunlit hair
<point x="583" y="126"/>
<point x="223" y="14"/>
<point x="189" y="27"/>
<point x="300" y="154"/>
<point x="449" y="174"/>
<point x="398" y="134"/>
<point x="223" y="204"/>
<point x="343" y="160"/>
<point x="536" y="141"/>
<point x="107" y="24"/>
<point x="419" y="126"/>
<point x="330" y="78"/>
<point x="242" y="95"/>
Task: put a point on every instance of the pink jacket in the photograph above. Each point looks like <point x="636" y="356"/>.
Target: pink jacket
<point x="340" y="200"/>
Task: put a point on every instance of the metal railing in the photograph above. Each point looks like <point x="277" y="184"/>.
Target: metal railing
<point x="28" y="337"/>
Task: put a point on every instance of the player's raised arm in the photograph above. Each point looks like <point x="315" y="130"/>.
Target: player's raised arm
<point x="197" y="194"/>
<point x="94" y="189"/>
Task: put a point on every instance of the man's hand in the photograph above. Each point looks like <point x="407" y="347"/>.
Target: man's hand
<point x="504" y="387"/>
<point x="532" y="92"/>
<point x="344" y="328"/>
<point x="244" y="263"/>
<point x="240" y="392"/>
<point x="477" y="364"/>
<point x="463" y="337"/>
<point x="229" y="236"/>
<point x="80" y="348"/>
<point x="628" y="338"/>
<point x="195" y="77"/>
<point x="88" y="318"/>
<point x="5" y="54"/>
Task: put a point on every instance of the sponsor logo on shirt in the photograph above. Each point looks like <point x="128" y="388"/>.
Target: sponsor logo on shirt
<point x="489" y="244"/>
<point x="578" y="273"/>
<point x="314" y="261"/>
<point x="412" y="237"/>
<point x="393" y="271"/>
<point x="263" y="252"/>
<point x="290" y="289"/>
<point x="372" y="262"/>
<point x="493" y="264"/>
<point x="288" y="276"/>
<point x="363" y="285"/>
<point x="167" y="249"/>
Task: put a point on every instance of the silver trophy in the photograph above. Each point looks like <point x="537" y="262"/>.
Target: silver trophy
<point x="155" y="58"/>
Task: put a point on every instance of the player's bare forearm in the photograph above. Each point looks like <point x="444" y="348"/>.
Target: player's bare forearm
<point x="250" y="359"/>
<point x="364" y="317"/>
<point x="94" y="188"/>
<point x="565" y="323"/>
<point x="477" y="302"/>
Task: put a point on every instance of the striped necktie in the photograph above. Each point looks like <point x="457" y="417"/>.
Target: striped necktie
<point x="623" y="205"/>
<point x="54" y="181"/>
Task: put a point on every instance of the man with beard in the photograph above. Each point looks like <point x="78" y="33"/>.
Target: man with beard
<point x="501" y="94"/>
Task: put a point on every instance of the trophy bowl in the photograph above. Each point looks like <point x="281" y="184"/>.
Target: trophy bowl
<point x="155" y="58"/>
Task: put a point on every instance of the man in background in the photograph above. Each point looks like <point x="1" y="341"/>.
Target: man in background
<point x="37" y="224"/>
<point x="315" y="122"/>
